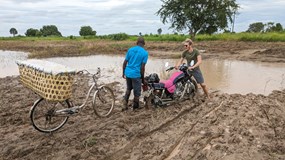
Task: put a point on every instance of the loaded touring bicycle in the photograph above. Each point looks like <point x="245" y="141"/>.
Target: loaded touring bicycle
<point x="53" y="83"/>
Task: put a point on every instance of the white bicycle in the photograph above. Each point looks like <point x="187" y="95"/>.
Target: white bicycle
<point x="49" y="116"/>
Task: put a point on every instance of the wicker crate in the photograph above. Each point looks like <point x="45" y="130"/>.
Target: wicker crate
<point x="49" y="80"/>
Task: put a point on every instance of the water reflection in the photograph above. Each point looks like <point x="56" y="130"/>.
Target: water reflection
<point x="244" y="77"/>
<point x="226" y="76"/>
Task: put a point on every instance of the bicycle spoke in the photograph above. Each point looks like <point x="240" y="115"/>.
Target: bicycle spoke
<point x="43" y="115"/>
<point x="102" y="94"/>
<point x="103" y="102"/>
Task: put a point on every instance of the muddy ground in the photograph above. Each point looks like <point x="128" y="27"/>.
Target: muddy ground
<point x="238" y="50"/>
<point x="227" y="126"/>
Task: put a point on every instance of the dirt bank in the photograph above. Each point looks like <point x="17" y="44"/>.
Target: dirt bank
<point x="246" y="51"/>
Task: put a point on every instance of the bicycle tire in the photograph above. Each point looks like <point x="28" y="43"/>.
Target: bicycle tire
<point x="43" y="118"/>
<point x="103" y="101"/>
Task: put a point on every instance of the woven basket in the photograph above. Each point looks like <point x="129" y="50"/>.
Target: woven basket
<point x="53" y="87"/>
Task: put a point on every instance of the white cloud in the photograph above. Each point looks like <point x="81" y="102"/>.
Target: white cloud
<point x="259" y="11"/>
<point x="104" y="16"/>
<point x="114" y="16"/>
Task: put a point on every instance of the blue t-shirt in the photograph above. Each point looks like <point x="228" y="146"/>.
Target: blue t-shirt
<point x="135" y="57"/>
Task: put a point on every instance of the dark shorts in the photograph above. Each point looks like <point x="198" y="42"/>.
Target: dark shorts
<point x="198" y="76"/>
<point x="136" y="84"/>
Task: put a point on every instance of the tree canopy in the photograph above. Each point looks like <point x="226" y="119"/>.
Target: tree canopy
<point x="196" y="16"/>
<point x="87" y="31"/>
<point x="159" y="31"/>
<point x="272" y="27"/>
<point x="265" y="27"/>
<point x="31" y="32"/>
<point x="13" y="31"/>
<point x="50" y="30"/>
<point x="256" y="27"/>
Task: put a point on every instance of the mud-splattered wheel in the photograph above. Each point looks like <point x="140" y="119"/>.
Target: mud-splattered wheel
<point x="195" y="87"/>
<point x="43" y="115"/>
<point x="103" y="101"/>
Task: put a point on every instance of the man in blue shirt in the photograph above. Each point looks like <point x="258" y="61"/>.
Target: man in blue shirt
<point x="133" y="71"/>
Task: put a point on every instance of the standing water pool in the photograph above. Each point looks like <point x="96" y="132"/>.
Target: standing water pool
<point x="222" y="75"/>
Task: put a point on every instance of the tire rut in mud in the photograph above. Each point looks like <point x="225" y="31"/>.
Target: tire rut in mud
<point x="166" y="146"/>
<point x="214" y="130"/>
<point x="230" y="126"/>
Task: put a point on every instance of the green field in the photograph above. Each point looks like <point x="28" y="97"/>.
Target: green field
<point x="263" y="37"/>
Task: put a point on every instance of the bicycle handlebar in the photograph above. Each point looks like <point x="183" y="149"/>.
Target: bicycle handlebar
<point x="82" y="71"/>
<point x="169" y="69"/>
<point x="96" y="75"/>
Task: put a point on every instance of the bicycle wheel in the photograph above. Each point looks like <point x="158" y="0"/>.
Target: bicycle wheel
<point x="43" y="115"/>
<point x="103" y="101"/>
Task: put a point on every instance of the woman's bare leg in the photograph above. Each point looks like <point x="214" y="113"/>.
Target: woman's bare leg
<point x="205" y="89"/>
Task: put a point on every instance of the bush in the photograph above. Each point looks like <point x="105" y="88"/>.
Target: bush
<point x="119" y="36"/>
<point x="87" y="31"/>
<point x="72" y="37"/>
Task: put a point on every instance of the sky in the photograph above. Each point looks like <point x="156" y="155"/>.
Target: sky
<point x="116" y="16"/>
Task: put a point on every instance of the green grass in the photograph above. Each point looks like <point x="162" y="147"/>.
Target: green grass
<point x="163" y="37"/>
<point x="253" y="37"/>
<point x="262" y="37"/>
<point x="91" y="141"/>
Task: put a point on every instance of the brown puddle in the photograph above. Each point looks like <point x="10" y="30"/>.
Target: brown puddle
<point x="222" y="75"/>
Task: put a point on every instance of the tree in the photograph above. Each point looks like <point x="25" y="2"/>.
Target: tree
<point x="256" y="27"/>
<point x="159" y="31"/>
<point x="13" y="31"/>
<point x="197" y="15"/>
<point x="270" y="27"/>
<point x="87" y="31"/>
<point x="265" y="27"/>
<point x="278" y="27"/>
<point x="50" y="30"/>
<point x="33" y="33"/>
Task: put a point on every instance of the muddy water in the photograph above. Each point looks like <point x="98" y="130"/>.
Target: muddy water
<point x="220" y="75"/>
<point x="244" y="77"/>
<point x="8" y="66"/>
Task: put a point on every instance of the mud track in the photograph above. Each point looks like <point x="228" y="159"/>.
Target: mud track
<point x="225" y="127"/>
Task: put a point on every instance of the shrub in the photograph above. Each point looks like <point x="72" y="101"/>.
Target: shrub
<point x="118" y="36"/>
